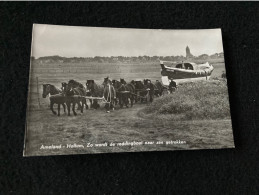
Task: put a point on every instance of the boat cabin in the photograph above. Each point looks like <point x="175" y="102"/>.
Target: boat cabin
<point x="186" y="66"/>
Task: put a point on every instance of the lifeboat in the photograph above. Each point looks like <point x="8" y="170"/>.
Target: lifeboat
<point x="185" y="72"/>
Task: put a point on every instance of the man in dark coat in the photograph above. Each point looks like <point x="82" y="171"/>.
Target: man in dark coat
<point x="151" y="88"/>
<point x="172" y="86"/>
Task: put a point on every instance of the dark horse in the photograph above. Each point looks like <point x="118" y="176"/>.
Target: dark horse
<point x="140" y="90"/>
<point x="123" y="81"/>
<point x="151" y="88"/>
<point x="124" y="92"/>
<point x="73" y="96"/>
<point x="80" y="90"/>
<point x="106" y="91"/>
<point x="94" y="91"/>
<point x="56" y="97"/>
<point x="159" y="88"/>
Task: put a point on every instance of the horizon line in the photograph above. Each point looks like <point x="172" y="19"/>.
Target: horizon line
<point x="124" y="56"/>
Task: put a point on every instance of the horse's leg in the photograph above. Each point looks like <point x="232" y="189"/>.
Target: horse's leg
<point x="131" y="100"/>
<point x="118" y="99"/>
<point x="68" y="108"/>
<point x="82" y="106"/>
<point x="64" y="106"/>
<point x="136" y="97"/>
<point x="51" y="107"/>
<point x="115" y="101"/>
<point x="91" y="103"/>
<point x="141" y="98"/>
<point x="73" y="107"/>
<point x="107" y="107"/>
<point x="78" y="106"/>
<point x="151" y="97"/>
<point x="94" y="104"/>
<point x="86" y="106"/>
<point x="112" y="104"/>
<point x="126" y="100"/>
<point x="97" y="104"/>
<point x="161" y="92"/>
<point x="121" y="101"/>
<point x="58" y="109"/>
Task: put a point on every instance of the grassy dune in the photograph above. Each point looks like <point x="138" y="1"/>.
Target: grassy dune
<point x="192" y="101"/>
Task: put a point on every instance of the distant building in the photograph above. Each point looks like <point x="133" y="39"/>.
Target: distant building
<point x="188" y="53"/>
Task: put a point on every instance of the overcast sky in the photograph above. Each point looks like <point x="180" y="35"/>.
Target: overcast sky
<point x="71" y="41"/>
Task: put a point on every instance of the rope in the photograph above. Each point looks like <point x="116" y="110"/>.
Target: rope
<point x="122" y="91"/>
<point x="109" y="97"/>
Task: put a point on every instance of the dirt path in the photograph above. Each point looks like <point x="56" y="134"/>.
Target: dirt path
<point x="98" y="127"/>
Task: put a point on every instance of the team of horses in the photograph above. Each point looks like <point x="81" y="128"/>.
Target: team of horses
<point x="111" y="92"/>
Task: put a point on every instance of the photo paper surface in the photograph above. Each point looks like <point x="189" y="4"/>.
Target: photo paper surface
<point x="105" y="90"/>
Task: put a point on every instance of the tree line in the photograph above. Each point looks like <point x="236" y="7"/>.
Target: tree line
<point x="121" y="59"/>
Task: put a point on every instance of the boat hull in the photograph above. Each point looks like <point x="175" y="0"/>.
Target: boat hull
<point x="166" y="80"/>
<point x="183" y="75"/>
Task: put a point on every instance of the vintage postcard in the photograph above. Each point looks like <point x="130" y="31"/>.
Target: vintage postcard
<point x="105" y="90"/>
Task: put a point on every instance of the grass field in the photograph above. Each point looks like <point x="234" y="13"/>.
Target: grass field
<point x="121" y="125"/>
<point x="192" y="101"/>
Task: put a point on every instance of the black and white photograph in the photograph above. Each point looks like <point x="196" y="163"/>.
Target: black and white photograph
<point x="106" y="90"/>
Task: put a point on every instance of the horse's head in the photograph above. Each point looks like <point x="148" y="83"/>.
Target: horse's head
<point x="147" y="82"/>
<point x="90" y="85"/>
<point x="46" y="90"/>
<point x="70" y="86"/>
<point x="106" y="81"/>
<point x="73" y="83"/>
<point x="116" y="84"/>
<point x="139" y="85"/>
<point x="122" y="87"/>
<point x="133" y="82"/>
<point x="63" y="86"/>
<point x="123" y="81"/>
<point x="68" y="89"/>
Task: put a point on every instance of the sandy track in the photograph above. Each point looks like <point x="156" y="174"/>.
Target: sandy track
<point x="121" y="125"/>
